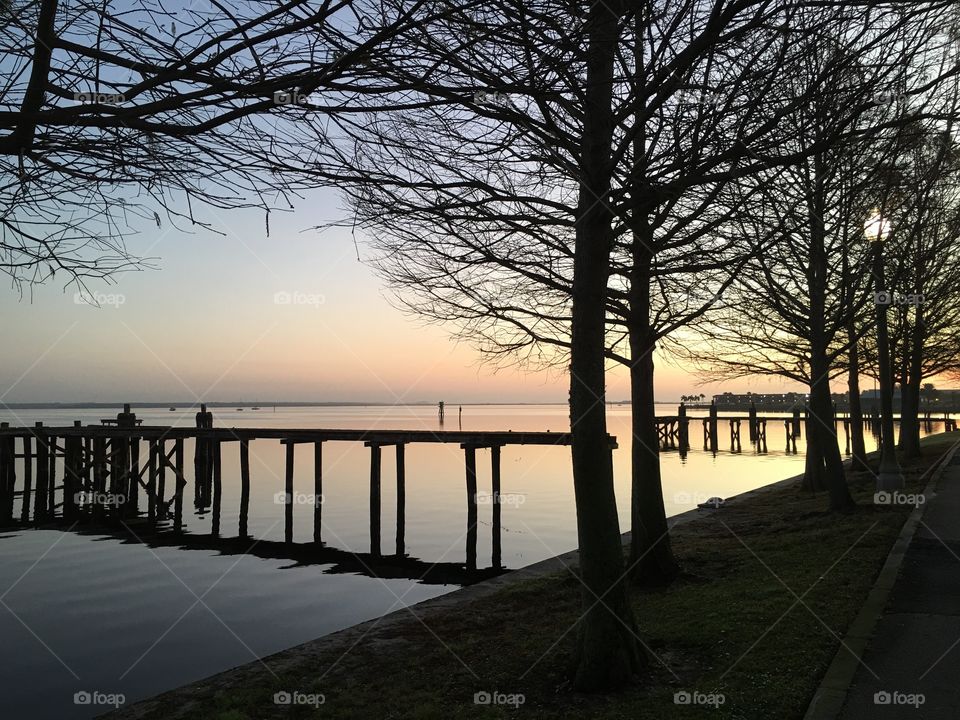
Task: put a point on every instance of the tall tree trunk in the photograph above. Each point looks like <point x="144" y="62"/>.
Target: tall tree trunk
<point x="858" y="445"/>
<point x="821" y="404"/>
<point x="904" y="374"/>
<point x="910" y="391"/>
<point x="608" y="652"/>
<point x="814" y="478"/>
<point x="822" y="422"/>
<point x="909" y="425"/>
<point x="651" y="557"/>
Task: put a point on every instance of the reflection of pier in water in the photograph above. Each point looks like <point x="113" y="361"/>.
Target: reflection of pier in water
<point x="102" y="482"/>
<point x="299" y="554"/>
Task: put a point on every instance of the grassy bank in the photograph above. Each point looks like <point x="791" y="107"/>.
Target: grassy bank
<point x="771" y="583"/>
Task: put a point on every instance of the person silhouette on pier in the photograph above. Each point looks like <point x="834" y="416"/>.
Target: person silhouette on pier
<point x="441" y="410"/>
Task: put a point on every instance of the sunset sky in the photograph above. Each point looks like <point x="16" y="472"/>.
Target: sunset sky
<point x="205" y="324"/>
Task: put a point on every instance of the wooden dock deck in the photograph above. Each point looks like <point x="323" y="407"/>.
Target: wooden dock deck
<point x="121" y="472"/>
<point x="99" y="474"/>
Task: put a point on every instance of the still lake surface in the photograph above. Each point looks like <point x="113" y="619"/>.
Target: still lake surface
<point x="88" y="613"/>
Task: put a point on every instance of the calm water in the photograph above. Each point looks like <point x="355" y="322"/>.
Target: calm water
<point x="89" y="613"/>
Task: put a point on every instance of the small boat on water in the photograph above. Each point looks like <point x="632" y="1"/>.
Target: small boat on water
<point x="173" y="409"/>
<point x="239" y="409"/>
<point x="254" y="408"/>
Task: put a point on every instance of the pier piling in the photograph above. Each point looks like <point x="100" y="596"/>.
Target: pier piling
<point x="374" y="499"/>
<point x="180" y="483"/>
<point x="244" y="487"/>
<point x="318" y="491"/>
<point x="217" y="488"/>
<point x="470" y="457"/>
<point x="497" y="556"/>
<point x="401" y="501"/>
<point x="288" y="495"/>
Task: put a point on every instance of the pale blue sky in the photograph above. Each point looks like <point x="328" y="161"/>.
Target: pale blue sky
<point x="205" y="324"/>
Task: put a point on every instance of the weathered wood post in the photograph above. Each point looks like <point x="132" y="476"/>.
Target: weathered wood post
<point x="27" y="478"/>
<point x="199" y="460"/>
<point x="99" y="475"/>
<point x="497" y="555"/>
<point x="43" y="473"/>
<point x="72" y="462"/>
<point x="761" y="435"/>
<point x="133" y="498"/>
<point x="714" y="440"/>
<point x="162" y="507"/>
<point x="87" y="463"/>
<point x="683" y="427"/>
<point x="318" y="492"/>
<point x="470" y="453"/>
<point x="11" y="474"/>
<point x="202" y="459"/>
<point x="244" y="486"/>
<point x="374" y="499"/>
<point x="401" y="501"/>
<point x="288" y="495"/>
<point x="152" y="481"/>
<point x="217" y="488"/>
<point x="788" y="427"/>
<point x="6" y="487"/>
<point x="52" y="476"/>
<point x="752" y="415"/>
<point x="796" y="423"/>
<point x="180" y="486"/>
<point x="121" y="481"/>
<point x="735" y="434"/>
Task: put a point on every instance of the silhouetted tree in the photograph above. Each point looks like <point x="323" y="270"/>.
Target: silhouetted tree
<point x="920" y="199"/>
<point x="795" y="307"/>
<point x="474" y="226"/>
<point x="115" y="117"/>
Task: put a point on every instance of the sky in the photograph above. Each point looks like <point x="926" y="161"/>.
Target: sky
<point x="242" y="316"/>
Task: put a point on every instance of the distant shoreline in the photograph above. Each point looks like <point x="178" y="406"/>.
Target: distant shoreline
<point x="285" y="404"/>
<point x="260" y="404"/>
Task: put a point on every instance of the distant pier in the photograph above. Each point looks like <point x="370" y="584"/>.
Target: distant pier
<point x="673" y="431"/>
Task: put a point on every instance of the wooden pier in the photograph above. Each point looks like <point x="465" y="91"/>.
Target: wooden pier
<point x="121" y="473"/>
<point x="102" y="478"/>
<point x="673" y="431"/>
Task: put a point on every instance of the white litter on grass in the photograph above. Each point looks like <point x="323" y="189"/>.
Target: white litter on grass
<point x="713" y="503"/>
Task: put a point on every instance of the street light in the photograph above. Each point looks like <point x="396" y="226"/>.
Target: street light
<point x="890" y="477"/>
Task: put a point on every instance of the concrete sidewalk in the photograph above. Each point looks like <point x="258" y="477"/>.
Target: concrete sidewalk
<point x="911" y="665"/>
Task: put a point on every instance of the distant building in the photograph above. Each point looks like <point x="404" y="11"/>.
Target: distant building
<point x="763" y="401"/>
<point x="933" y="400"/>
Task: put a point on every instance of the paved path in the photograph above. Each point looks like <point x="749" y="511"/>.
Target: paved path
<point x="915" y="647"/>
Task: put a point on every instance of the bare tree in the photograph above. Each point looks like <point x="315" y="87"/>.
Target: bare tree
<point x="918" y="194"/>
<point x="797" y="310"/>
<point x="474" y="227"/>
<point x="609" y="652"/>
<point x="115" y="117"/>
